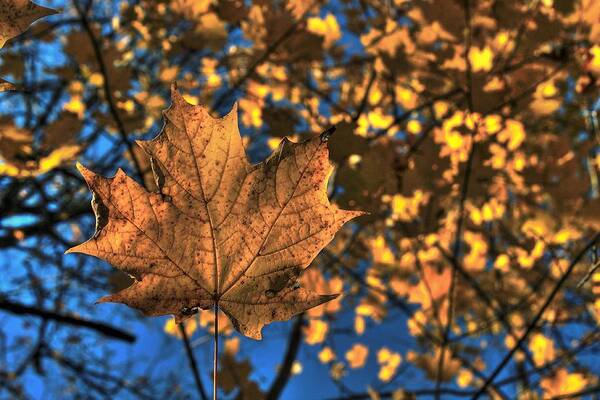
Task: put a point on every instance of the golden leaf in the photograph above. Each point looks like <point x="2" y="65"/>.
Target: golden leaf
<point x="316" y="331"/>
<point x="357" y="355"/>
<point x="563" y="383"/>
<point x="542" y="349"/>
<point x="221" y="232"/>
<point x="389" y="362"/>
<point x="15" y="18"/>
<point x="326" y="355"/>
<point x="19" y="159"/>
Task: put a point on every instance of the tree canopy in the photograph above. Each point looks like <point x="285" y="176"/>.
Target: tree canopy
<point x="467" y="130"/>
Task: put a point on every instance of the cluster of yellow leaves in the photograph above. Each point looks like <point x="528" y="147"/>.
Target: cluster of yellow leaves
<point x="171" y="327"/>
<point x="17" y="152"/>
<point x="563" y="383"/>
<point x="491" y="210"/>
<point x="326" y="27"/>
<point x="475" y="260"/>
<point x="205" y="320"/>
<point x="407" y="208"/>
<point x="316" y="331"/>
<point x="388" y="361"/>
<point x="432" y="287"/>
<point x="388" y="40"/>
<point x="456" y="144"/>
<point x="542" y="349"/>
<point x="380" y="251"/>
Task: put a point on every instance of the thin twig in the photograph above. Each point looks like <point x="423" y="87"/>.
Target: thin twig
<point x="99" y="327"/>
<point x="192" y="360"/>
<point x="589" y="274"/>
<point x="463" y="199"/>
<point x="532" y="325"/>
<point x="264" y="57"/>
<point x="107" y="89"/>
<point x="285" y="371"/>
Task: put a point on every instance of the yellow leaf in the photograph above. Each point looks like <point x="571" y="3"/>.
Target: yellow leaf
<point x="493" y="85"/>
<point x="379" y="120"/>
<point x="481" y="59"/>
<point x="76" y="106"/>
<point x="594" y="62"/>
<point x="357" y="356"/>
<point x="464" y="378"/>
<point x="407" y="208"/>
<point x="492" y="124"/>
<point x="326" y="27"/>
<point x="296" y="368"/>
<point x="172" y="328"/>
<point x="513" y="134"/>
<point x="169" y="74"/>
<point x="57" y="158"/>
<point x="454" y="140"/>
<point x="359" y="325"/>
<point x="502" y="263"/>
<point x="566" y="235"/>
<point x="316" y="331"/>
<point x="432" y="287"/>
<point x="542" y="349"/>
<point x="326" y="355"/>
<point x="96" y="79"/>
<point x="414" y="126"/>
<point x="232" y="345"/>
<point x="381" y="253"/>
<point x="538" y="227"/>
<point x="389" y="362"/>
<point x="563" y="383"/>
<point x="408" y="98"/>
<point x="354" y="160"/>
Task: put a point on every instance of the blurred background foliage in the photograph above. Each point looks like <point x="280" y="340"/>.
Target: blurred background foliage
<point x="467" y="129"/>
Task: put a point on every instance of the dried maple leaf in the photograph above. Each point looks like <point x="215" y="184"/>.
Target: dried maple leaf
<point x="17" y="15"/>
<point x="220" y="231"/>
<point x="15" y="18"/>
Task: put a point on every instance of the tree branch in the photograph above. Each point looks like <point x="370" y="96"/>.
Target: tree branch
<point x="532" y="325"/>
<point x="106" y="330"/>
<point x="192" y="360"/>
<point x="107" y="89"/>
<point x="285" y="371"/>
<point x="264" y="57"/>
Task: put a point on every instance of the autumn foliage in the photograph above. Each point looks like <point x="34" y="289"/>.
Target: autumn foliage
<point x="466" y="130"/>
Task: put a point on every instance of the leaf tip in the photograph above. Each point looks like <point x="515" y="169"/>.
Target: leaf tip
<point x="324" y="298"/>
<point x="327" y="134"/>
<point x="6" y="86"/>
<point x="104" y="299"/>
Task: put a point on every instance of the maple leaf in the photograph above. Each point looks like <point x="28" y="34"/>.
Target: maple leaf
<point x="17" y="15"/>
<point x="220" y="232"/>
<point x="15" y="18"/>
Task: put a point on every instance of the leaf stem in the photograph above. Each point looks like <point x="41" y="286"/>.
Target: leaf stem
<point x="216" y="352"/>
